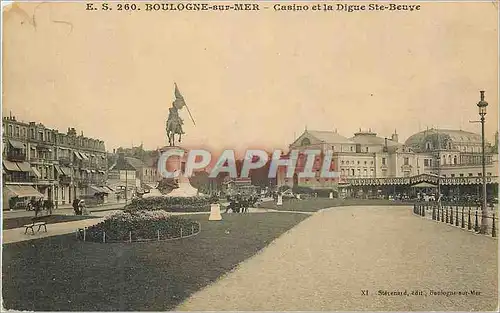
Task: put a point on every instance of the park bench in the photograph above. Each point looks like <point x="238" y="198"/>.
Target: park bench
<point x="33" y="224"/>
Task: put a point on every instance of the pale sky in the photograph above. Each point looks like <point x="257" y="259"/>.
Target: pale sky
<point x="250" y="79"/>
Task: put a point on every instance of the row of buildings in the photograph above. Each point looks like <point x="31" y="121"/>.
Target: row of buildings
<point x="42" y="162"/>
<point x="370" y="165"/>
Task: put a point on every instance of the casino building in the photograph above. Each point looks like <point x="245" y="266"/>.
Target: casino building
<point x="374" y="166"/>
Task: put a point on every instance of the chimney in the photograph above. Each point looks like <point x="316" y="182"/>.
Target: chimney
<point x="394" y="136"/>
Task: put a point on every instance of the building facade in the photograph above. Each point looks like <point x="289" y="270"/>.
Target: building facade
<point x="60" y="166"/>
<point x="372" y="166"/>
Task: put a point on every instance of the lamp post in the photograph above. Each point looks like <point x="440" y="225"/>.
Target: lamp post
<point x="482" y="112"/>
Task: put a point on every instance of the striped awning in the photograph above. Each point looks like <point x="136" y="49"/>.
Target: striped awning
<point x="23" y="191"/>
<point x="84" y="156"/>
<point x="78" y="156"/>
<point x="58" y="169"/>
<point x="24" y="166"/>
<point x="36" y="172"/>
<point x="16" y="144"/>
<point x="11" y="166"/>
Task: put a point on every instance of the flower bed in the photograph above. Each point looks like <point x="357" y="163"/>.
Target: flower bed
<point x="140" y="226"/>
<point x="171" y="204"/>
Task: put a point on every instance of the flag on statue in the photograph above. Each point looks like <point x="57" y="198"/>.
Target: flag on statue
<point x="179" y="99"/>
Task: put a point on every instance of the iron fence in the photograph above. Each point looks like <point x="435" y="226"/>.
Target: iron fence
<point x="465" y="216"/>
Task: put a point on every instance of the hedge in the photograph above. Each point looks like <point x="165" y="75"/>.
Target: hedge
<point x="171" y="204"/>
<point x="141" y="225"/>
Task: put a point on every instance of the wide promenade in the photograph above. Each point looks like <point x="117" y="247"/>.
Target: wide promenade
<point x="362" y="258"/>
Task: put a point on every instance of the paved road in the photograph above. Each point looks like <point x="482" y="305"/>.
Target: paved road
<point x="326" y="261"/>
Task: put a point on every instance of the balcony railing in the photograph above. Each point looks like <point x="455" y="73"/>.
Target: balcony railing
<point x="16" y="157"/>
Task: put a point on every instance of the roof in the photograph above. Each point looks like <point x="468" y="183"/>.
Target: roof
<point x="456" y="136"/>
<point x="369" y="138"/>
<point x="135" y="163"/>
<point x="324" y="137"/>
<point x="124" y="164"/>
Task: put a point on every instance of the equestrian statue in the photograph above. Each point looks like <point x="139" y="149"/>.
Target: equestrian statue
<point x="174" y="121"/>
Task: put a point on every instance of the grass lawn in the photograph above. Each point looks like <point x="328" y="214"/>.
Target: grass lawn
<point x="315" y="204"/>
<point x="59" y="273"/>
<point x="16" y="222"/>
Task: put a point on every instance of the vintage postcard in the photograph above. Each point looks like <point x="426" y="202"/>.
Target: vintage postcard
<point x="250" y="156"/>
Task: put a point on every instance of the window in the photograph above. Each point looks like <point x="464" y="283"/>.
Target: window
<point x="470" y="174"/>
<point x="366" y="162"/>
<point x="359" y="172"/>
<point x="17" y="131"/>
<point x="479" y="174"/>
<point x="455" y="160"/>
<point x="365" y="172"/>
<point x="428" y="146"/>
<point x="426" y="162"/>
<point x="489" y="174"/>
<point x="352" y="149"/>
<point x="358" y="162"/>
<point x="333" y="148"/>
<point x="406" y="161"/>
<point x="462" y="175"/>
<point x="342" y="172"/>
<point x="305" y="142"/>
<point x="444" y="175"/>
<point x="371" y="172"/>
<point x="352" y="172"/>
<point x="366" y="149"/>
<point x="342" y="162"/>
<point x="383" y="161"/>
<point x="452" y="175"/>
<point x="10" y="130"/>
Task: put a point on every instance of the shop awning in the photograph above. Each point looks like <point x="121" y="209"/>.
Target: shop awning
<point x="12" y="191"/>
<point x="85" y="170"/>
<point x="95" y="189"/>
<point x="101" y="171"/>
<point x="23" y="191"/>
<point x="16" y="144"/>
<point x="36" y="172"/>
<point x="11" y="166"/>
<point x="84" y="156"/>
<point x="24" y="166"/>
<point x="29" y="191"/>
<point x="78" y="156"/>
<point x="66" y="171"/>
<point x="108" y="188"/>
<point x="58" y="169"/>
<point x="93" y="171"/>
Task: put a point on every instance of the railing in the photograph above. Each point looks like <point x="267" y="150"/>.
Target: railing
<point x="16" y="157"/>
<point x="466" y="216"/>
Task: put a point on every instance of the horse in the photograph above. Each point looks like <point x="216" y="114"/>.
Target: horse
<point x="173" y="128"/>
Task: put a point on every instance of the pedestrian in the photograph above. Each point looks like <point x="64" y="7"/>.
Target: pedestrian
<point x="75" y="205"/>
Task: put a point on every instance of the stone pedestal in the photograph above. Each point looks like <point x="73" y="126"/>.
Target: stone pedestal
<point x="215" y="212"/>
<point x="280" y="200"/>
<point x="178" y="163"/>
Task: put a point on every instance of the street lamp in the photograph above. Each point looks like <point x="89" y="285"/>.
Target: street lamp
<point x="482" y="112"/>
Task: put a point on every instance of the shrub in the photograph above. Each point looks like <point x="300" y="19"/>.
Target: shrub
<point x="141" y="225"/>
<point x="171" y="204"/>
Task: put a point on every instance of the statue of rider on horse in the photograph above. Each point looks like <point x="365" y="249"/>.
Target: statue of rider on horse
<point x="174" y="121"/>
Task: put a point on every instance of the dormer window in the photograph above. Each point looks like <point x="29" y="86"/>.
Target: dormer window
<point x="305" y="142"/>
<point x="428" y="146"/>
